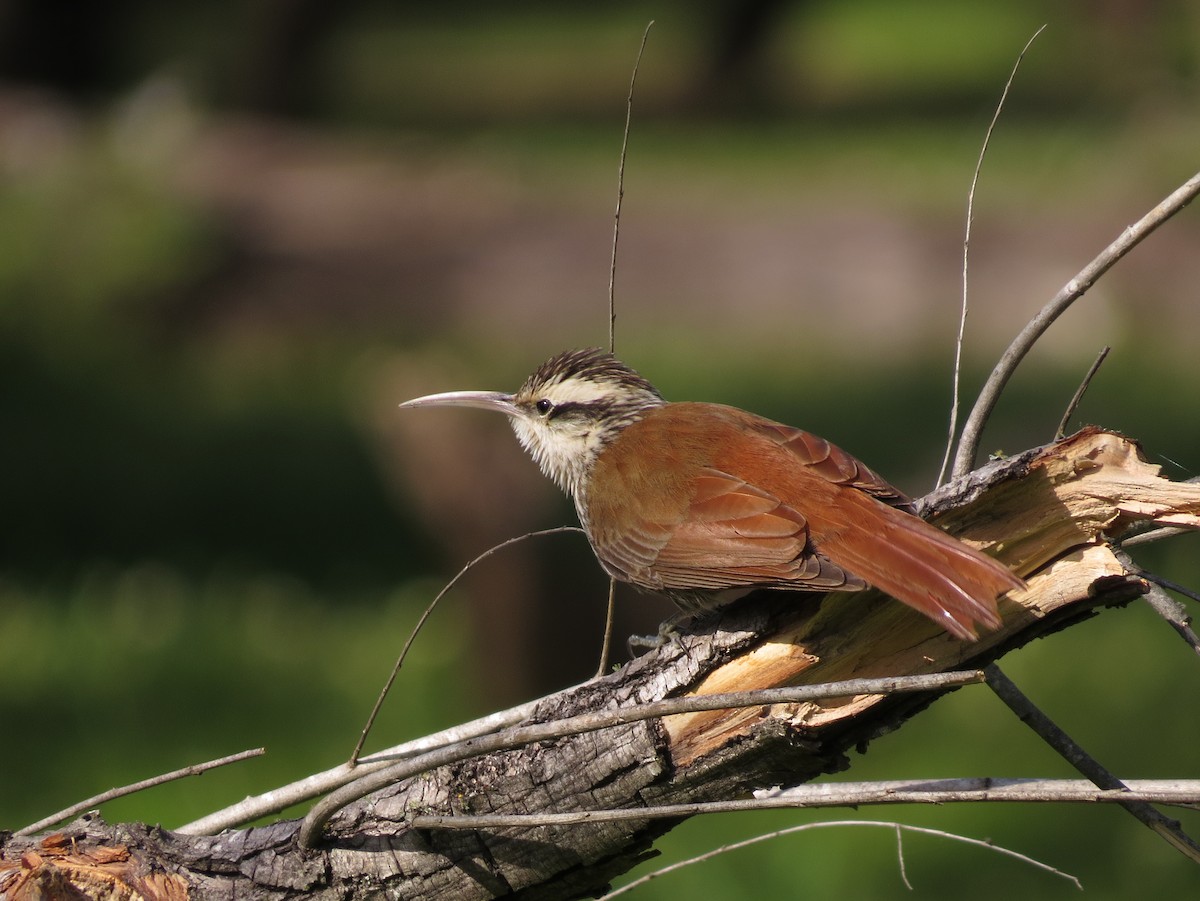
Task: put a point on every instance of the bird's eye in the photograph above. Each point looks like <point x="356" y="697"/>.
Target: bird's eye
<point x="544" y="406"/>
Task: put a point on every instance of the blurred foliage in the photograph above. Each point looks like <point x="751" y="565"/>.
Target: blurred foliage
<point x="198" y="552"/>
<point x="134" y="440"/>
<point x="85" y="241"/>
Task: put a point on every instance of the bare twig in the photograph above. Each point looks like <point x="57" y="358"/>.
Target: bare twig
<point x="984" y="789"/>
<point x="606" y="646"/>
<point x="1074" y="754"/>
<point x="1061" y="431"/>
<point x="314" y="822"/>
<point x="1163" y="604"/>
<point x="962" y="317"/>
<point x="113" y="793"/>
<point x="1151" y="535"/>
<point x="1175" y="614"/>
<point x="362" y="738"/>
<point x="612" y="272"/>
<point x="1169" y="585"/>
<point x="899" y="827"/>
<point x="275" y="800"/>
<point x="968" y="446"/>
<point x="609" y="619"/>
<point x="900" y="857"/>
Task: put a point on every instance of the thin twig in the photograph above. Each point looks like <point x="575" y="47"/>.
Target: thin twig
<point x="606" y="646"/>
<point x="194" y="770"/>
<point x="899" y="827"/>
<point x="387" y="686"/>
<point x="1163" y="604"/>
<point x="1175" y="615"/>
<point x="1171" y="586"/>
<point x="984" y="789"/>
<point x="1074" y="754"/>
<point x="900" y="857"/>
<point x="285" y="796"/>
<point x="314" y="822"/>
<point x="612" y="272"/>
<point x="609" y="620"/>
<point x="968" y="446"/>
<point x="1061" y="431"/>
<point x="1152" y="535"/>
<point x="962" y="316"/>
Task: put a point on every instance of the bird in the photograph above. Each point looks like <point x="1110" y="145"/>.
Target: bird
<point x="704" y="502"/>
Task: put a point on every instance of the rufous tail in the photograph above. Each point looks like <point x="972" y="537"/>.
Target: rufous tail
<point x="950" y="582"/>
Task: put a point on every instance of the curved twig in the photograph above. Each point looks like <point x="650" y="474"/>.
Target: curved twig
<point x="968" y="446"/>
<point x="791" y="830"/>
<point x="387" y="686"/>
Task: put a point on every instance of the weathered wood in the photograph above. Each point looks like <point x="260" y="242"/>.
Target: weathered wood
<point x="1046" y="513"/>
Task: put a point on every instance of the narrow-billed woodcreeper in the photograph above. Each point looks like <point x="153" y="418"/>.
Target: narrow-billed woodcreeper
<point x="704" y="502"/>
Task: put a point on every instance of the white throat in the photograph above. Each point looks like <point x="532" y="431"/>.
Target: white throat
<point x="564" y="455"/>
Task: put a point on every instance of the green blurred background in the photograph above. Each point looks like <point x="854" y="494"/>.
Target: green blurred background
<point x="234" y="236"/>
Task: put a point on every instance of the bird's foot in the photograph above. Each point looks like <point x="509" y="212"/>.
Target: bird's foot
<point x="668" y="633"/>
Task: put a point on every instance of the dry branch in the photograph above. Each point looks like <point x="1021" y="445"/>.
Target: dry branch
<point x="968" y="444"/>
<point x="1047" y="513"/>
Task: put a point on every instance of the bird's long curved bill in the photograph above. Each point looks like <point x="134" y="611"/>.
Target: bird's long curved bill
<point x="482" y="400"/>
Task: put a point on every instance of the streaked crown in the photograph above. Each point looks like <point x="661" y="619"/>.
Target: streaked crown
<point x="574" y="404"/>
<point x="590" y="378"/>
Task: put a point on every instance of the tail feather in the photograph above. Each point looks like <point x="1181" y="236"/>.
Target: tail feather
<point x="919" y="564"/>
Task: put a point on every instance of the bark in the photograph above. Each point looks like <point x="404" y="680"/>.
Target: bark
<point x="1047" y="513"/>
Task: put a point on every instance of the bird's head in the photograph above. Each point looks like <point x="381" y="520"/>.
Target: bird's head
<point x="566" y="411"/>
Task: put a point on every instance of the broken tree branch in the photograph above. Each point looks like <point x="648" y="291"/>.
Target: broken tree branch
<point x="1048" y="513"/>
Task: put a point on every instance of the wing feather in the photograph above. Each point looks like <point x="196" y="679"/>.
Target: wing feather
<point x="732" y="534"/>
<point x="812" y="517"/>
<point x="833" y="464"/>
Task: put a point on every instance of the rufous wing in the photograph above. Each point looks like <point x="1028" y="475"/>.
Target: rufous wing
<point x="870" y="531"/>
<point x="736" y="534"/>
<point x="702" y="497"/>
<point x="683" y="526"/>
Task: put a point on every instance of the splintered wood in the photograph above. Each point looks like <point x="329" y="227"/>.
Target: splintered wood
<point x="1049" y="518"/>
<point x="59" y="869"/>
